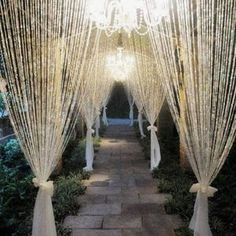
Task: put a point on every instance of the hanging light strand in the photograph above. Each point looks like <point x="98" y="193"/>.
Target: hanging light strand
<point x="96" y="90"/>
<point x="197" y="58"/>
<point x="41" y="42"/>
<point x="146" y="88"/>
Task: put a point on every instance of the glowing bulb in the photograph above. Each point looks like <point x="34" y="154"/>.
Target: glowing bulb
<point x="120" y="65"/>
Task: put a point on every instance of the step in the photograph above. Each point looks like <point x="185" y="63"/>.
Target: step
<point x="122" y="222"/>
<point x="158" y="225"/>
<point x="123" y="198"/>
<point x="103" y="190"/>
<point x="90" y="232"/>
<point x="100" y="209"/>
<point x="159" y="198"/>
<point x="92" y="199"/>
<point x="142" y="209"/>
<point x="84" y="222"/>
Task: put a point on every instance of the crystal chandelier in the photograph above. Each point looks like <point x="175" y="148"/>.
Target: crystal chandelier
<point x="128" y="15"/>
<point x="120" y="64"/>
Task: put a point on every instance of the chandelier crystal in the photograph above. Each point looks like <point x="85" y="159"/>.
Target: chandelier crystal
<point x="128" y="15"/>
<point x="120" y="65"/>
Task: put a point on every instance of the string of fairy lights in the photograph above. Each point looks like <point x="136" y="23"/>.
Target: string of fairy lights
<point x="61" y="58"/>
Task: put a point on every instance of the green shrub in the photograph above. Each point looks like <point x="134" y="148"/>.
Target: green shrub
<point x="17" y="195"/>
<point x="74" y="157"/>
<point x="16" y="190"/>
<point x="66" y="193"/>
<point x="12" y="149"/>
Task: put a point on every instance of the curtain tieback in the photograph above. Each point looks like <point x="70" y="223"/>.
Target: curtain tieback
<point x="152" y="127"/>
<point x="210" y="191"/>
<point x="45" y="185"/>
<point x="105" y="108"/>
<point x="92" y="131"/>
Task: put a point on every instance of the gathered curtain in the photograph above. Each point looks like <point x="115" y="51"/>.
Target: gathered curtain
<point x="146" y="87"/>
<point x="195" y="50"/>
<point x="96" y="90"/>
<point x="40" y="88"/>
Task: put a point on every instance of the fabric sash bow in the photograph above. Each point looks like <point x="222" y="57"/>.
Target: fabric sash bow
<point x="44" y="185"/>
<point x="152" y="128"/>
<point x="210" y="191"/>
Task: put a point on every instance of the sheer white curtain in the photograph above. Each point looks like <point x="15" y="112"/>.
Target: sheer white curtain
<point x="106" y="101"/>
<point x="131" y="105"/>
<point x="39" y="48"/>
<point x="104" y="115"/>
<point x="138" y="104"/>
<point x="195" y="48"/>
<point x="140" y="122"/>
<point x="98" y="125"/>
<point x="96" y="90"/>
<point x="146" y="88"/>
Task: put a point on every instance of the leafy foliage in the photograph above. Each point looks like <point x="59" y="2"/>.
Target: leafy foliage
<point x="66" y="193"/>
<point x="17" y="193"/>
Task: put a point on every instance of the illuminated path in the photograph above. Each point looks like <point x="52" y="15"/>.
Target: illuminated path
<point x="122" y="198"/>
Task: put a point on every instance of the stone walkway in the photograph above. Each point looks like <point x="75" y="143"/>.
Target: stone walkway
<point x="122" y="198"/>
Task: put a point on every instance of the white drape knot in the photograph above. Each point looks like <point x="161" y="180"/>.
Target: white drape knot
<point x="210" y="191"/>
<point x="105" y="108"/>
<point x="152" y="128"/>
<point x="92" y="131"/>
<point x="44" y="185"/>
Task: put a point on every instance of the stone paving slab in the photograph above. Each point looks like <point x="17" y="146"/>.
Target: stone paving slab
<point x="100" y="209"/>
<point x="124" y="182"/>
<point x="99" y="177"/>
<point x="122" y="222"/>
<point x="90" y="183"/>
<point x="132" y="232"/>
<point x="146" y="189"/>
<point x="84" y="222"/>
<point x="103" y="190"/>
<point x="90" y="232"/>
<point x="122" y="198"/>
<point x="154" y="198"/>
<point x="142" y="209"/>
<point x="157" y="225"/>
<point x="92" y="199"/>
